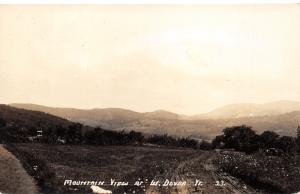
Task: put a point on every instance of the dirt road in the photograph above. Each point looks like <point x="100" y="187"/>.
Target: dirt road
<point x="200" y="168"/>
<point x="13" y="177"/>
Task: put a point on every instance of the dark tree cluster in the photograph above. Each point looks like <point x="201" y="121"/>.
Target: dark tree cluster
<point x="172" y="141"/>
<point x="75" y="133"/>
<point x="244" y="138"/>
<point x="100" y="136"/>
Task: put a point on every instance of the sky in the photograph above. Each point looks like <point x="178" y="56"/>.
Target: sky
<point x="187" y="59"/>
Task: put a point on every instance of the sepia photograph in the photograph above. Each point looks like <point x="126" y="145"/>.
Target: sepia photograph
<point x="150" y="98"/>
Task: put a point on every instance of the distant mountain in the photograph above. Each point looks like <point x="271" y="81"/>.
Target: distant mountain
<point x="161" y="114"/>
<point x="159" y="122"/>
<point x="251" y="110"/>
<point x="89" y="117"/>
<point x="94" y="117"/>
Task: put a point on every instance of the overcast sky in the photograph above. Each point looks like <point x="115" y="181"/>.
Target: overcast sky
<point x="186" y="59"/>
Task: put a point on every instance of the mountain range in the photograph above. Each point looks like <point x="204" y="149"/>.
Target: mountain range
<point x="280" y="116"/>
<point x="251" y="109"/>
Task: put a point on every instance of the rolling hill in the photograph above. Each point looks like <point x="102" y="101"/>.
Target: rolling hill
<point x="159" y="122"/>
<point x="251" y="110"/>
<point x="30" y="118"/>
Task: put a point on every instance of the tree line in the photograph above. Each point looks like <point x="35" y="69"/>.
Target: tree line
<point x="244" y="138"/>
<point x="77" y="133"/>
<point x="241" y="138"/>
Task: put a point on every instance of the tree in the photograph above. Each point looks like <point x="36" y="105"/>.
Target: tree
<point x="2" y="122"/>
<point x="268" y="139"/>
<point x="287" y="144"/>
<point x="205" y="145"/>
<point x="135" y="137"/>
<point x="238" y="137"/>
<point x="298" y="144"/>
<point x="218" y="142"/>
<point x="74" y="134"/>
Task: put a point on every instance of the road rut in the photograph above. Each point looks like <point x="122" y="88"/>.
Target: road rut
<point x="200" y="167"/>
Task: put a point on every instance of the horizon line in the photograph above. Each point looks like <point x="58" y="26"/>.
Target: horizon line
<point x="154" y="110"/>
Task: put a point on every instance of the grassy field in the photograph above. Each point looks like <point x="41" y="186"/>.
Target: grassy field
<point x="99" y="163"/>
<point x="51" y="165"/>
<point x="271" y="173"/>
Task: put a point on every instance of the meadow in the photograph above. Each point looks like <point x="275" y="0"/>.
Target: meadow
<point x="51" y="165"/>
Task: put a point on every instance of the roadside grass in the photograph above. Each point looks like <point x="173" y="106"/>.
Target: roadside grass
<point x="36" y="168"/>
<point x="13" y="177"/>
<point x="271" y="174"/>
